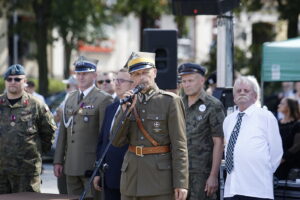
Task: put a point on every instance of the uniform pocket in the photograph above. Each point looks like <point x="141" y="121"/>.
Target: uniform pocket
<point x="156" y="123"/>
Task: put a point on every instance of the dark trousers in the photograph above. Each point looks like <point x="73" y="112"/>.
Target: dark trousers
<point x="240" y="197"/>
<point x="112" y="194"/>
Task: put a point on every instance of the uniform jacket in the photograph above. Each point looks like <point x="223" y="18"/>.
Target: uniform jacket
<point x="204" y="120"/>
<point x="115" y="155"/>
<point x="76" y="144"/>
<point x="26" y="130"/>
<point x="162" y="114"/>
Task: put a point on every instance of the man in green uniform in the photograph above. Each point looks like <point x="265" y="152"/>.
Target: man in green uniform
<point x="82" y="118"/>
<point x="26" y="131"/>
<point x="155" y="166"/>
<point x="204" y="133"/>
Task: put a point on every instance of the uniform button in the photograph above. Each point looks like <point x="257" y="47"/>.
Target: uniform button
<point x="72" y="141"/>
<point x="143" y="120"/>
<point x="143" y="111"/>
<point x="145" y="103"/>
<point x="142" y="138"/>
<point x="156" y="117"/>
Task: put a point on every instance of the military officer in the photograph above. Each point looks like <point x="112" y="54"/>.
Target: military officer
<point x="26" y="131"/>
<point x="83" y="114"/>
<point x="204" y="132"/>
<point x="156" y="164"/>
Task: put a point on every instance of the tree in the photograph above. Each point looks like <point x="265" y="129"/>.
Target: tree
<point x="148" y="11"/>
<point x="38" y="30"/>
<point x="287" y="9"/>
<point x="79" y="20"/>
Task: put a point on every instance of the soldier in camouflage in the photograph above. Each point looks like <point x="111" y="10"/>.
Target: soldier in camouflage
<point x="26" y="131"/>
<point x="204" y="133"/>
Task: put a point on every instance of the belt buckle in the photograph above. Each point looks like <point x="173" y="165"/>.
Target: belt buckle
<point x="139" y="151"/>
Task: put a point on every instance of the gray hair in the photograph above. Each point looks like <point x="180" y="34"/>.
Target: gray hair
<point x="249" y="80"/>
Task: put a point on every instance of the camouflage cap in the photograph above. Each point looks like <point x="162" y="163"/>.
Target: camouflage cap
<point x="13" y="70"/>
<point x="190" y="68"/>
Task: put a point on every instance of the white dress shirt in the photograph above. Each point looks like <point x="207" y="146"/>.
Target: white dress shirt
<point x="87" y="91"/>
<point x="257" y="153"/>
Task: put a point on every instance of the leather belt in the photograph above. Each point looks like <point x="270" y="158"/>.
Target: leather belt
<point x="141" y="151"/>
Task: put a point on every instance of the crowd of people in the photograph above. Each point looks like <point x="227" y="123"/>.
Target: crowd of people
<point x="163" y="145"/>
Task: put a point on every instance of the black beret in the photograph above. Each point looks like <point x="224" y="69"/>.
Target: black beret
<point x="84" y="65"/>
<point x="13" y="70"/>
<point x="190" y="68"/>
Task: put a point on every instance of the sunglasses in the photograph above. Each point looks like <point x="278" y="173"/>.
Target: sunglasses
<point x="102" y="81"/>
<point x="15" y="79"/>
<point x="120" y="81"/>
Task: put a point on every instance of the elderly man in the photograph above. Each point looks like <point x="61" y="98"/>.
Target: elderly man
<point x="26" y="131"/>
<point x="204" y="121"/>
<point x="82" y="118"/>
<point x="156" y="164"/>
<point x="114" y="157"/>
<point x="253" y="146"/>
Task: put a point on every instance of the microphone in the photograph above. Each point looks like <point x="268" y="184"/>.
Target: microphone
<point x="135" y="90"/>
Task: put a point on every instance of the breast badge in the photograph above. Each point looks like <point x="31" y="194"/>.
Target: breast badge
<point x="202" y="108"/>
<point x="156" y="125"/>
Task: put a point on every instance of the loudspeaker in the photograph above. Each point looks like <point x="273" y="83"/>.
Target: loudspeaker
<point x="164" y="44"/>
<point x="203" y="7"/>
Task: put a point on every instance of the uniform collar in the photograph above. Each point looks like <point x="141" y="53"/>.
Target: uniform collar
<point x="87" y="91"/>
<point x="22" y="103"/>
<point x="148" y="94"/>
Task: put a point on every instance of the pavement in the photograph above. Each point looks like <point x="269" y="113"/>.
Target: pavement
<point x="49" y="183"/>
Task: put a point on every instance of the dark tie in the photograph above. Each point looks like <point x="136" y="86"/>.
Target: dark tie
<point x="80" y="97"/>
<point x="231" y="144"/>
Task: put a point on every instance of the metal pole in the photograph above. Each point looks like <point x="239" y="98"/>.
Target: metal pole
<point x="225" y="51"/>
<point x="15" y="39"/>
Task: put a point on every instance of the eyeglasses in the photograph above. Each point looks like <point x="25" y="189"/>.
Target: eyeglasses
<point x="15" y="79"/>
<point x="102" y="81"/>
<point x="120" y="81"/>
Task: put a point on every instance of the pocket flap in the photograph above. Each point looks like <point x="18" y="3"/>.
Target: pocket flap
<point x="156" y="117"/>
<point x="164" y="165"/>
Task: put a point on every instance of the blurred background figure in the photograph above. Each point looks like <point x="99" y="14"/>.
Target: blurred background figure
<point x="211" y="83"/>
<point x="31" y="89"/>
<point x="289" y="127"/>
<point x="105" y="82"/>
<point x="297" y="91"/>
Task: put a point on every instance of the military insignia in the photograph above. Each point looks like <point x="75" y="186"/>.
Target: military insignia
<point x="199" y="117"/>
<point x="80" y="110"/>
<point x="2" y="101"/>
<point x="13" y="71"/>
<point x="156" y="125"/>
<point x="89" y="107"/>
<point x="85" y="118"/>
<point x="202" y="108"/>
<point x="12" y="124"/>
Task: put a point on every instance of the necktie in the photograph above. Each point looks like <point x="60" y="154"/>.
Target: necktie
<point x="80" y="97"/>
<point x="232" y="140"/>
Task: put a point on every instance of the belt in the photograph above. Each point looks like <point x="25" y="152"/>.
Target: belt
<point x="141" y="151"/>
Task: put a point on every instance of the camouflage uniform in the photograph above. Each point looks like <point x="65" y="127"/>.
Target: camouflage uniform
<point x="26" y="130"/>
<point x="203" y="121"/>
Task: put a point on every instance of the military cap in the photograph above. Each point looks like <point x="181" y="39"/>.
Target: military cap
<point x="13" y="70"/>
<point x="85" y="65"/>
<point x="190" y="68"/>
<point x="140" y="60"/>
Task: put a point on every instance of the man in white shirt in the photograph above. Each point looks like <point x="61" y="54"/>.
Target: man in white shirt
<point x="253" y="146"/>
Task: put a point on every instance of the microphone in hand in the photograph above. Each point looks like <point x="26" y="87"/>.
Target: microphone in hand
<point x="135" y="90"/>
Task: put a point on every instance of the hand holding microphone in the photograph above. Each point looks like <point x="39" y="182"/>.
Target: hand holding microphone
<point x="129" y="99"/>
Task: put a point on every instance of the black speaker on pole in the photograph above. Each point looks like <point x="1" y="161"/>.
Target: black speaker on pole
<point x="203" y="7"/>
<point x="164" y="44"/>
